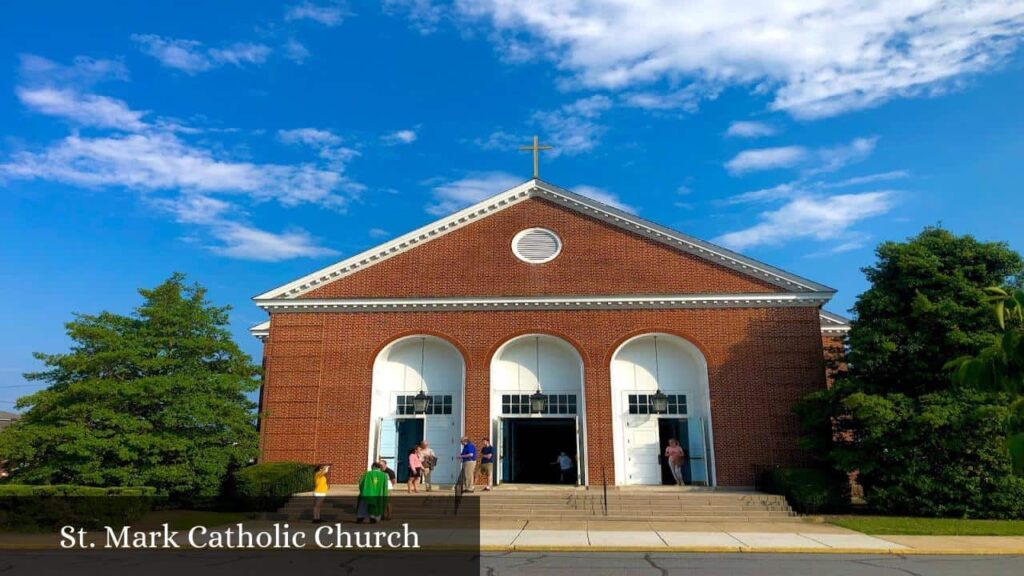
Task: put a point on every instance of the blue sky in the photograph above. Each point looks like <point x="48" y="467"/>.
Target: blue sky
<point x="248" y="144"/>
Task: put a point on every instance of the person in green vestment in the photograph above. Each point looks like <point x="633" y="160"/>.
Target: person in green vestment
<point x="373" y="494"/>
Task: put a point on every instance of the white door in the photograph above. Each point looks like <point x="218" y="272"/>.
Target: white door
<point x="640" y="434"/>
<point x="387" y="441"/>
<point x="440" y="431"/>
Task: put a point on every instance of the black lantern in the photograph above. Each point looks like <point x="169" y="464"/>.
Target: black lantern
<point x="420" y="403"/>
<point x="659" y="402"/>
<point x="538" y="402"/>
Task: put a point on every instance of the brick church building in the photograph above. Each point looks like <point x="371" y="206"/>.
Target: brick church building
<point x="548" y="322"/>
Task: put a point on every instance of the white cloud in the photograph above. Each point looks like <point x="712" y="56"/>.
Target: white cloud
<point x="83" y="72"/>
<point x="818" y="57"/>
<point x="687" y="99"/>
<point x="836" y="157"/>
<point x="870" y="179"/>
<point x="816" y="161"/>
<point x="455" y="195"/>
<point x="767" y="159"/>
<point x="501" y="140"/>
<point x="749" y="129"/>
<point x="295" y="51"/>
<point x="573" y="128"/>
<point x="603" y="196"/>
<point x="400" y="137"/>
<point x="779" y="192"/>
<point x="240" y="53"/>
<point x="177" y="176"/>
<point x="249" y="243"/>
<point x="240" y="240"/>
<point x="326" y="14"/>
<point x="191" y="57"/>
<point x="309" y="136"/>
<point x="423" y="14"/>
<point x="161" y="161"/>
<point x="378" y="233"/>
<point x="812" y="217"/>
<point x="83" y="109"/>
<point x="329" y="145"/>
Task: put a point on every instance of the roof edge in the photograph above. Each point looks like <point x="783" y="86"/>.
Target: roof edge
<point x="539" y="188"/>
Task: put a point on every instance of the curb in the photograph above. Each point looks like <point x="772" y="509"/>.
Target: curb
<point x="662" y="550"/>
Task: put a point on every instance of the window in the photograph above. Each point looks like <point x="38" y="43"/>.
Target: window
<point x="641" y="403"/>
<point x="520" y="404"/>
<point x="439" y="404"/>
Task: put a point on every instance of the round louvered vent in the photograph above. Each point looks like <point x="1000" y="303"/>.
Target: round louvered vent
<point x="536" y="245"/>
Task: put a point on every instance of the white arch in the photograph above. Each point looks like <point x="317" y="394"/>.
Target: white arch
<point x="405" y="367"/>
<point x="514" y="368"/>
<point x="675" y="366"/>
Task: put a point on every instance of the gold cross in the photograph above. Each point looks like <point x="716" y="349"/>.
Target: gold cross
<point x="536" y="156"/>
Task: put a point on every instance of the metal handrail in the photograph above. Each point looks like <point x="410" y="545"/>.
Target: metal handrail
<point x="604" y="486"/>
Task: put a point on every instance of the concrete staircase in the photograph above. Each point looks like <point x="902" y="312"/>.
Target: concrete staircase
<point x="574" y="505"/>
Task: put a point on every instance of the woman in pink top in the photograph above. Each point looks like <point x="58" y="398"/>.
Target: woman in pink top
<point x="415" y="470"/>
<point x="675" y="455"/>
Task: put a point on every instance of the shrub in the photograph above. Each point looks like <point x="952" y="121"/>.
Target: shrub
<point x="55" y="490"/>
<point x="808" y="490"/>
<point x="268" y="486"/>
<point x="46" y="507"/>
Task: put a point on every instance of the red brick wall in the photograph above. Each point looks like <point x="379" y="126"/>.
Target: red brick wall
<point x="596" y="258"/>
<point x="760" y="362"/>
<point x="833" y="348"/>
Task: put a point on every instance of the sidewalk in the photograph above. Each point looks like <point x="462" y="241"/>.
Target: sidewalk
<point x="749" y="537"/>
<point x="755" y="537"/>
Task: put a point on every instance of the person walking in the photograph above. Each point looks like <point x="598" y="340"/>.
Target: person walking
<point x="415" y="470"/>
<point x="319" y="490"/>
<point x="486" y="462"/>
<point x="429" y="460"/>
<point x="675" y="455"/>
<point x="468" y="458"/>
<point x="373" y="495"/>
<point x="564" y="463"/>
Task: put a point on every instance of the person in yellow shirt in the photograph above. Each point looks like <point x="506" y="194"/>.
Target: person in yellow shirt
<point x="319" y="490"/>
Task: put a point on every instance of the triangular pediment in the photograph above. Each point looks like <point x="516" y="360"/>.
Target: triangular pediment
<point x="616" y="237"/>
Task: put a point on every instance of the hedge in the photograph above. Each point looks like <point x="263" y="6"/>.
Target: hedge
<point x="48" y="507"/>
<point x="73" y="490"/>
<point x="808" y="490"/>
<point x="268" y="486"/>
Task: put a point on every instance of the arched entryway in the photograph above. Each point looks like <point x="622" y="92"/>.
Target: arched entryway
<point x="641" y="367"/>
<point x="402" y="370"/>
<point x="529" y="440"/>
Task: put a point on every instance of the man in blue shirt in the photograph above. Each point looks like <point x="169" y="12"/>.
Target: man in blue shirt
<point x="486" y="461"/>
<point x="468" y="457"/>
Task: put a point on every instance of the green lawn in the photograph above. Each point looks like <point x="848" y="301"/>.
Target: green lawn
<point x="929" y="526"/>
<point x="185" y="519"/>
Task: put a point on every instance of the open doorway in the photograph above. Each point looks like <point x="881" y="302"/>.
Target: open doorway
<point x="669" y="428"/>
<point x="530" y="448"/>
<point x="397" y="437"/>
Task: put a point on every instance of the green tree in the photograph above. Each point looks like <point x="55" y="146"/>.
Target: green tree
<point x="925" y="306"/>
<point x="999" y="367"/>
<point x="920" y="443"/>
<point x="156" y="398"/>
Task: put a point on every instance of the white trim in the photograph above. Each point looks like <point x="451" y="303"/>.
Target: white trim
<point x="582" y="457"/>
<point x="261" y="330"/>
<point x="756" y="300"/>
<point x="521" y="233"/>
<point x="618" y="410"/>
<point x="571" y="200"/>
<point x="833" y="324"/>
